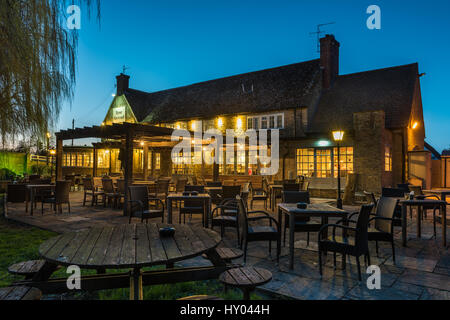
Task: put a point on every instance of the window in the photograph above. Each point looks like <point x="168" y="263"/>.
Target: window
<point x="323" y="162"/>
<point x="305" y="162"/>
<point x="346" y="160"/>
<point x="274" y="121"/>
<point x="179" y="165"/>
<point x="388" y="159"/>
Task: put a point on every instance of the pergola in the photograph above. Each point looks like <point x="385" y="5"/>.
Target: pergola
<point x="122" y="136"/>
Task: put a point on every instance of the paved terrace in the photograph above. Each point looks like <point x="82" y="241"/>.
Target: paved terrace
<point x="422" y="270"/>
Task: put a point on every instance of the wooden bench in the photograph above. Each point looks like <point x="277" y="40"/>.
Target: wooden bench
<point x="20" y="293"/>
<point x="228" y="254"/>
<point x="200" y="298"/>
<point x="26" y="268"/>
<point x="246" y="279"/>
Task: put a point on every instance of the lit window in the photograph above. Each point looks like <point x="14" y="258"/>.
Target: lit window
<point x="249" y="123"/>
<point x="305" y="162"/>
<point x="323" y="162"/>
<point x="388" y="159"/>
<point x="263" y="122"/>
<point x="346" y="159"/>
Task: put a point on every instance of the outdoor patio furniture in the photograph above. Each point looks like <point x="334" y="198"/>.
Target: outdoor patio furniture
<point x="354" y="246"/>
<point x="259" y="194"/>
<point x="61" y="196"/>
<point x="418" y="194"/>
<point x="275" y="191"/>
<point x="27" y="268"/>
<point x="89" y="190"/>
<point x="20" y="293"/>
<point x="322" y="210"/>
<point x="161" y="189"/>
<point x="301" y="223"/>
<point x="71" y="178"/>
<point x="395" y="193"/>
<point x="192" y="206"/>
<point x="257" y="233"/>
<point x="177" y="197"/>
<point x="121" y="189"/>
<point x="33" y="191"/>
<point x="291" y="187"/>
<point x="305" y="186"/>
<point x="246" y="279"/>
<point x="228" y="254"/>
<point x="111" y="195"/>
<point x="142" y="246"/>
<point x="371" y="199"/>
<point x="143" y="207"/>
<point x="15" y="193"/>
<point x="404" y="187"/>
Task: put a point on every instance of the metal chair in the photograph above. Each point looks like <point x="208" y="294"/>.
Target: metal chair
<point x="355" y="246"/>
<point x="143" y="207"/>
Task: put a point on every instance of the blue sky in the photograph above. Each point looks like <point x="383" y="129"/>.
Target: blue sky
<point x="172" y="43"/>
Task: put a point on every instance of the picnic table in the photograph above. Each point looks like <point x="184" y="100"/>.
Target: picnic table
<point x="32" y="188"/>
<point x="178" y="196"/>
<point x="132" y="246"/>
<point x="321" y="210"/>
<point x="420" y="204"/>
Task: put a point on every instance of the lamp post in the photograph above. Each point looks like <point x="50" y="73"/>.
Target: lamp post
<point x="338" y="136"/>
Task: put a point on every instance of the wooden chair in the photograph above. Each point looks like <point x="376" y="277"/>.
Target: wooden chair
<point x="192" y="206"/>
<point x="143" y="207"/>
<point x="61" y="196"/>
<point x="111" y="195"/>
<point x="355" y="246"/>
<point x="90" y="190"/>
<point x="257" y="233"/>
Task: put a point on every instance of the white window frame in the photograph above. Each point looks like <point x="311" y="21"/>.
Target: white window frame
<point x="267" y="116"/>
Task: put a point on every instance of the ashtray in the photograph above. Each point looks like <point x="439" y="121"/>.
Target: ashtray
<point x="166" y="232"/>
<point x="186" y="193"/>
<point x="194" y="193"/>
<point x="302" y="205"/>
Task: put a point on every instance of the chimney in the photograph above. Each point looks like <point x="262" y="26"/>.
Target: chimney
<point x="329" y="59"/>
<point x="123" y="82"/>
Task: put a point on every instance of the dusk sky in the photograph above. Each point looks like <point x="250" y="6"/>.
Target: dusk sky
<point x="167" y="44"/>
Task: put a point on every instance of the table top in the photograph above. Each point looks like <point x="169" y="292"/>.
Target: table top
<point x="128" y="246"/>
<point x="416" y="202"/>
<point x="447" y="191"/>
<point x="246" y="277"/>
<point x="35" y="186"/>
<point x="179" y="195"/>
<point x="319" y="209"/>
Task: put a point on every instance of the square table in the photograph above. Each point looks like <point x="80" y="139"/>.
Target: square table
<point x="419" y="204"/>
<point x="321" y="210"/>
<point x="205" y="197"/>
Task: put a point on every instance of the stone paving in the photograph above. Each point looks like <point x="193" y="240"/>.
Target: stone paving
<point x="421" y="271"/>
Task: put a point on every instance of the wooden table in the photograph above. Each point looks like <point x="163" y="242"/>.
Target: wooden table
<point x="32" y="194"/>
<point x="205" y="197"/>
<point x="273" y="188"/>
<point x="321" y="210"/>
<point x="420" y="204"/>
<point x="246" y="279"/>
<point x="132" y="246"/>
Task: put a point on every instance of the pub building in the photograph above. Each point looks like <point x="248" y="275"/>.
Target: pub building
<point x="379" y="111"/>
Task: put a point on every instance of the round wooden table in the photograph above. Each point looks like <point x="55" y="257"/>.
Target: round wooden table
<point x="132" y="246"/>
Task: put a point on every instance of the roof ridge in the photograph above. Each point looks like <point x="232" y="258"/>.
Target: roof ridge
<point x="381" y="69"/>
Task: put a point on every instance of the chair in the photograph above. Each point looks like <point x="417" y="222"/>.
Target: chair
<point x="305" y="186"/>
<point x="214" y="184"/>
<point x="110" y="194"/>
<point x="16" y="193"/>
<point x="121" y="189"/>
<point x="225" y="214"/>
<point x="291" y="187"/>
<point x="301" y="223"/>
<point x="257" y="233"/>
<point x="193" y="206"/>
<point x="395" y="193"/>
<point x="61" y="196"/>
<point x="141" y="206"/>
<point x="162" y="189"/>
<point x="71" y="178"/>
<point x="404" y="187"/>
<point x="355" y="246"/>
<point x="259" y="194"/>
<point x="370" y="197"/>
<point x="419" y="195"/>
<point x="90" y="190"/>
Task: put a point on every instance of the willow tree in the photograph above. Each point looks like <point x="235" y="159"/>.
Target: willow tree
<point x="37" y="63"/>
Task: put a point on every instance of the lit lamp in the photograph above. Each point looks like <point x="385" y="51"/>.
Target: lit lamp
<point x="338" y="136"/>
<point x="52" y="154"/>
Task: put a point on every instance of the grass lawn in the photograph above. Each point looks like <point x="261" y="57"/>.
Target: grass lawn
<point x="20" y="243"/>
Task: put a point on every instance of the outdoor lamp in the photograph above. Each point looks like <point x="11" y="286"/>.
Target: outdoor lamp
<point x="338" y="135"/>
<point x="52" y="152"/>
<point x="220" y="122"/>
<point x="415" y="125"/>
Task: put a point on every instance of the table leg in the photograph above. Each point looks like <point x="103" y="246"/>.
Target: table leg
<point x="169" y="210"/>
<point x="32" y="201"/>
<point x="419" y="221"/>
<point x="246" y="292"/>
<point x="207" y="210"/>
<point x="136" y="292"/>
<point x="444" y="225"/>
<point x="291" y="240"/>
<point x="404" y="209"/>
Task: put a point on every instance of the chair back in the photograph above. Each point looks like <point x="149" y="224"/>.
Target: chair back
<point x="194" y="203"/>
<point x="295" y="197"/>
<point x="138" y="193"/>
<point x="213" y="184"/>
<point x="230" y="192"/>
<point x="162" y="186"/>
<point x="242" y="218"/>
<point x="305" y="186"/>
<point x="392" y="193"/>
<point x="62" y="191"/>
<point x="386" y="209"/>
<point x="199" y="189"/>
<point x="289" y="181"/>
<point x="121" y="186"/>
<point x="370" y="196"/>
<point x="16" y="193"/>
<point x="291" y="187"/>
<point x="108" y="186"/>
<point x="88" y="184"/>
<point x="180" y="185"/>
<point x="361" y="237"/>
<point x="404" y="187"/>
<point x="194" y="180"/>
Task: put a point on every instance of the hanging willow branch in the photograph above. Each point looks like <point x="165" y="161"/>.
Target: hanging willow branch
<point x="37" y="63"/>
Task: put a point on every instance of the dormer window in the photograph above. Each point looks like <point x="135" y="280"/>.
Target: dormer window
<point x="271" y="121"/>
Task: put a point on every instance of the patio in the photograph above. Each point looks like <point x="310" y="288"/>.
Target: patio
<point x="422" y="270"/>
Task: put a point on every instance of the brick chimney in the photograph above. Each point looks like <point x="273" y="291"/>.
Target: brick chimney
<point x="123" y="82"/>
<point x="329" y="59"/>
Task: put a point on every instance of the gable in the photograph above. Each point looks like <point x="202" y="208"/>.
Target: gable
<point x="119" y="112"/>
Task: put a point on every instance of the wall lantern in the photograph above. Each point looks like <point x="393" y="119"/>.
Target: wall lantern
<point x="338" y="135"/>
<point x="239" y="123"/>
<point x="219" y="122"/>
<point x="415" y="125"/>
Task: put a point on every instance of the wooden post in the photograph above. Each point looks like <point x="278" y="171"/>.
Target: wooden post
<point x="128" y="168"/>
<point x="59" y="156"/>
<point x="94" y="167"/>
<point x="145" y="154"/>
